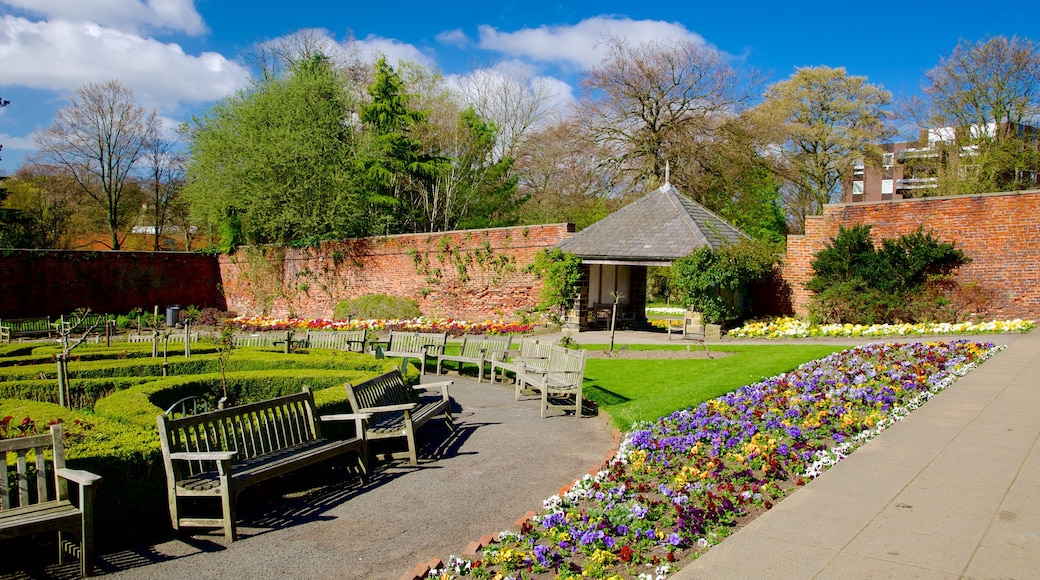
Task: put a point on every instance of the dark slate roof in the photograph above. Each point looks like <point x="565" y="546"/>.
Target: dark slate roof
<point x="660" y="227"/>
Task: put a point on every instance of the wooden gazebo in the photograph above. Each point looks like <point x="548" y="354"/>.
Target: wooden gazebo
<point x="616" y="251"/>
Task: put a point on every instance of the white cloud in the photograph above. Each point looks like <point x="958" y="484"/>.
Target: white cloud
<point x="11" y="142"/>
<point x="453" y="37"/>
<point x="580" y="45"/>
<point x="396" y="52"/>
<point x="126" y="15"/>
<point x="63" y="55"/>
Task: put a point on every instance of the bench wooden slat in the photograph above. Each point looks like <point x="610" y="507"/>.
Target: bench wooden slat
<point x="420" y="345"/>
<point x="389" y="390"/>
<point x="561" y="375"/>
<point x="264" y="440"/>
<point x="29" y="509"/>
<point x="478" y="350"/>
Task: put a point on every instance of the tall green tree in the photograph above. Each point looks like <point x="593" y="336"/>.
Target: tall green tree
<point x="394" y="164"/>
<point x="823" y="120"/>
<point x="986" y="94"/>
<point x="274" y="163"/>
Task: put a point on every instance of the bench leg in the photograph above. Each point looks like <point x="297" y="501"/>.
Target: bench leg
<point x="227" y="505"/>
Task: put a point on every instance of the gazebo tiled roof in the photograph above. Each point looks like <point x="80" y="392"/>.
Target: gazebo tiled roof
<point x="660" y="227"/>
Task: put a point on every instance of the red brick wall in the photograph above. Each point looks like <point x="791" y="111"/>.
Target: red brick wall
<point x="51" y="283"/>
<point x="999" y="231"/>
<point x="471" y="274"/>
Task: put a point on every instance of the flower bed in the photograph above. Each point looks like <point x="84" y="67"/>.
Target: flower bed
<point x="448" y="325"/>
<point x="680" y="485"/>
<point x="795" y="328"/>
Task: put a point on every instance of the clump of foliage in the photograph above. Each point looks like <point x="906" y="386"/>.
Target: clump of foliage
<point x="906" y="279"/>
<point x="716" y="282"/>
<point x="560" y="273"/>
<point x="377" y="307"/>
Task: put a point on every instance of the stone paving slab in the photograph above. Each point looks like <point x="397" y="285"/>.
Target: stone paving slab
<point x="952" y="491"/>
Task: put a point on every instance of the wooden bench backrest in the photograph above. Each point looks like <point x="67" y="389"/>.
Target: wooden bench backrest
<point x="27" y="325"/>
<point x="531" y="348"/>
<point x="252" y="430"/>
<point x="260" y="339"/>
<point x="338" y="339"/>
<point x="415" y="342"/>
<point x="32" y="472"/>
<point x="492" y="343"/>
<point x="385" y="389"/>
<point x="564" y="359"/>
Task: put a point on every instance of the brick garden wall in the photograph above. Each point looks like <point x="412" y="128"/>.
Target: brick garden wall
<point x="999" y="231"/>
<point x="471" y="274"/>
<point x="51" y="283"/>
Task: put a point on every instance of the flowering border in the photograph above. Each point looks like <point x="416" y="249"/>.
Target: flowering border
<point x="787" y="327"/>
<point x="678" y="486"/>
<point x="449" y="325"/>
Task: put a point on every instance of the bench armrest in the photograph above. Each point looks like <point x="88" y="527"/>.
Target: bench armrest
<point x="442" y="386"/>
<point x="79" y="476"/>
<point x="437" y="348"/>
<point x="389" y="408"/>
<point x="345" y="417"/>
<point x="204" y="455"/>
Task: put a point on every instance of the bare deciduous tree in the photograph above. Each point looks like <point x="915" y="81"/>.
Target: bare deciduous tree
<point x="513" y="100"/>
<point x="645" y="100"/>
<point x="164" y="166"/>
<point x="98" y="138"/>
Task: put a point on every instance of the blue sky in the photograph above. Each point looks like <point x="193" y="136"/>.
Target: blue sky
<point x="182" y="55"/>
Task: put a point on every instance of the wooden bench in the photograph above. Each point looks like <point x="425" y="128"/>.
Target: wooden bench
<point x="28" y="509"/>
<point x="352" y="340"/>
<point x="258" y="339"/>
<point x="11" y="328"/>
<point x="558" y="378"/>
<point x="397" y="410"/>
<point x="219" y="453"/>
<point x="530" y="350"/>
<point x="478" y="350"/>
<point x="420" y="345"/>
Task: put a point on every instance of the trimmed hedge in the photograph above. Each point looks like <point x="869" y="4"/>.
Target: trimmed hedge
<point x="118" y="440"/>
<point x="132" y="496"/>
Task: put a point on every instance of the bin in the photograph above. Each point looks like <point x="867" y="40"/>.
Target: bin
<point x="173" y="315"/>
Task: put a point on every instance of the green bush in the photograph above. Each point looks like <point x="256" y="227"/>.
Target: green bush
<point x="906" y="279"/>
<point x="377" y="306"/>
<point x="560" y="273"/>
<point x="715" y="282"/>
<point x="131" y="499"/>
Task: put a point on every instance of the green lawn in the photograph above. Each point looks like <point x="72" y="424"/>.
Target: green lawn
<point x="638" y="390"/>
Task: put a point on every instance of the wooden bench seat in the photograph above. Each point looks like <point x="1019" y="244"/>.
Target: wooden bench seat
<point x="478" y="350"/>
<point x="28" y="509"/>
<point x="11" y="328"/>
<point x="219" y="453"/>
<point x="407" y="345"/>
<point x="397" y="410"/>
<point x="558" y="379"/>
<point x="529" y="350"/>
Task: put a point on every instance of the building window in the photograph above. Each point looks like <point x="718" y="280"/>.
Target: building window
<point x="886" y="186"/>
<point x="857" y="188"/>
<point x="888" y="160"/>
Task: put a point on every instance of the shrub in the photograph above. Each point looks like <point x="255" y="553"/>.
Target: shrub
<point x="715" y="282"/>
<point x="560" y="273"/>
<point x="377" y="307"/>
<point x="906" y="279"/>
<point x="132" y="497"/>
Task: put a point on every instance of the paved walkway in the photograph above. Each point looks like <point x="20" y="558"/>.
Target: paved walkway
<point x="502" y="461"/>
<point x="952" y="491"/>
